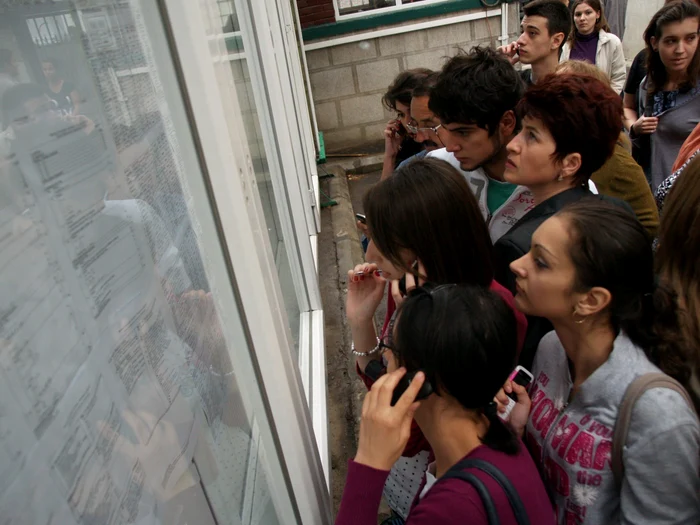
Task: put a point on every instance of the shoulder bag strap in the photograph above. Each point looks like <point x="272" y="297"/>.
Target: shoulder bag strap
<point x="481" y="489"/>
<point x="624" y="416"/>
<point x="513" y="498"/>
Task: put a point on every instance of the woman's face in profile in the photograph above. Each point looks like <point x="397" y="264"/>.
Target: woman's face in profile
<point x="546" y="276"/>
<point x="531" y="159"/>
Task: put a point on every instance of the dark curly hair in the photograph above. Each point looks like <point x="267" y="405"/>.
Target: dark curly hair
<point x="610" y="248"/>
<point x="401" y="89"/>
<point x="478" y="87"/>
<point x="582" y="114"/>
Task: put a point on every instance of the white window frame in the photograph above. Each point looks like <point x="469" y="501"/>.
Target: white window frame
<point x="275" y="69"/>
<point x="224" y="153"/>
<point x="400" y="6"/>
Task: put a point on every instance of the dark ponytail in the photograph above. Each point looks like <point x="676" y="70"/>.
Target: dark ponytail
<point x="499" y="436"/>
<point x="610" y="249"/>
<point x="656" y="328"/>
<point x="464" y="338"/>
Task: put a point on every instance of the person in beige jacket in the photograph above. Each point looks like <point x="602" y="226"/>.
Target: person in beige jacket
<point x="591" y="41"/>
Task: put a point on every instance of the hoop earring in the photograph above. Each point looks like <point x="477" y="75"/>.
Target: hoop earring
<point x="578" y="321"/>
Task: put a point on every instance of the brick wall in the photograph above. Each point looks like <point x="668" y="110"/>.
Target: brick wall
<point x="315" y="12"/>
<point x="348" y="81"/>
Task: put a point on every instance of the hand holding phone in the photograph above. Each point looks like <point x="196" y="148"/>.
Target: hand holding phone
<point x="425" y="390"/>
<point x="511" y="51"/>
<point x="522" y="377"/>
<point x="385" y="427"/>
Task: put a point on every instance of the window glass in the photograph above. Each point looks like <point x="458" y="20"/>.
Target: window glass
<point x="251" y="124"/>
<point x="119" y="398"/>
<point x="346" y="7"/>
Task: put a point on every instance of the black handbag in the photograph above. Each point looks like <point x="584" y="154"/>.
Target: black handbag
<point x="458" y="471"/>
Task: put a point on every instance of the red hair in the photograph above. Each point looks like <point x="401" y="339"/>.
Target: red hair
<point x="583" y="115"/>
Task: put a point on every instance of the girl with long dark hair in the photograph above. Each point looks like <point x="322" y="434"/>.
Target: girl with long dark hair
<point x="590" y="271"/>
<point x="669" y="96"/>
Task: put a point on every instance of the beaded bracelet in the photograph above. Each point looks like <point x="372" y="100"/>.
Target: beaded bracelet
<point x="365" y="354"/>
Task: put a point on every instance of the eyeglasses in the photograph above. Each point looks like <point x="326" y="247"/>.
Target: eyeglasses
<point x="415" y="129"/>
<point x="387" y="341"/>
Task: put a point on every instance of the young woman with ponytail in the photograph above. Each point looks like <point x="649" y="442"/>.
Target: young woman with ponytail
<point x="590" y="271"/>
<point x="462" y="340"/>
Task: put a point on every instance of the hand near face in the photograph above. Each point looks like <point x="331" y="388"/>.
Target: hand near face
<point x="365" y="292"/>
<point x="392" y="138"/>
<point x="511" y="51"/>
<point x="385" y="429"/>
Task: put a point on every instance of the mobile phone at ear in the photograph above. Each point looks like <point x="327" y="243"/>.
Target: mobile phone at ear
<point x="402" y="281"/>
<point x="425" y="390"/>
<point x="362" y="218"/>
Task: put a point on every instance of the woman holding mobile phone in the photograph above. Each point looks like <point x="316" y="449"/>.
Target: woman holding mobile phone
<point x="424" y="224"/>
<point x="462" y="340"/>
<point x="571" y="124"/>
<point x="590" y="272"/>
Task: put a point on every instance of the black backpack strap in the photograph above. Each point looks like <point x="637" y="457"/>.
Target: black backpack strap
<point x="516" y="503"/>
<point x="480" y="488"/>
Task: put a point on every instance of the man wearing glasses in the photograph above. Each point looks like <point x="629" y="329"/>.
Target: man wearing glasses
<point x="475" y="98"/>
<point x="423" y="124"/>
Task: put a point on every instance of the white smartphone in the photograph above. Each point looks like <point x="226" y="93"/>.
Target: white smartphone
<point x="522" y="377"/>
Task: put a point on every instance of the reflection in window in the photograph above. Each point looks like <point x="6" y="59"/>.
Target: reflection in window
<point x="118" y="399"/>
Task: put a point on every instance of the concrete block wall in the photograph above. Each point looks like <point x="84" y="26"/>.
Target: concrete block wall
<point x="348" y="80"/>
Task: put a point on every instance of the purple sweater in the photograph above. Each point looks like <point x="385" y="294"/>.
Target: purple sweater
<point x="451" y="502"/>
<point x="585" y="47"/>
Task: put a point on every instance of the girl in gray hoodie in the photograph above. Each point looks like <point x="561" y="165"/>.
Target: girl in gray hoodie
<point x="590" y="272"/>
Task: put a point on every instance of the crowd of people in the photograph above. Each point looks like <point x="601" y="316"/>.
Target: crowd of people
<point x="540" y="222"/>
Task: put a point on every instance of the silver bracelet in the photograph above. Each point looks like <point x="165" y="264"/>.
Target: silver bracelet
<point x="365" y="354"/>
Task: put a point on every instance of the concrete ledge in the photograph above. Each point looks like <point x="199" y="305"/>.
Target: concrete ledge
<point x="357" y="165"/>
<point x="339" y="250"/>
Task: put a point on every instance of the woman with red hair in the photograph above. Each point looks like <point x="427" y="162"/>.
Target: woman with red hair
<point x="571" y="124"/>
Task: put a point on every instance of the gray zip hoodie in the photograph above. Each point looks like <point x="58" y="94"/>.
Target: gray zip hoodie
<point x="572" y="442"/>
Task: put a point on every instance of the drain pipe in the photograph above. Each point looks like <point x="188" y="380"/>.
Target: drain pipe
<point x="504" y="23"/>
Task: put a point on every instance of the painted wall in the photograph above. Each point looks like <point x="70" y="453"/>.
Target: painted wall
<point x="639" y="13"/>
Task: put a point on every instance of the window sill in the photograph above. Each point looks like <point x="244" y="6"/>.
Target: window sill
<point x="373" y="21"/>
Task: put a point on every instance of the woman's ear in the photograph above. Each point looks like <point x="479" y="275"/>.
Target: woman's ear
<point x="593" y="302"/>
<point x="570" y="165"/>
<point x="653" y="43"/>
